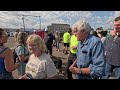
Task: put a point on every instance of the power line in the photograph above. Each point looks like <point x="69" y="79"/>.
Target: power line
<point x="27" y="15"/>
<point x="32" y="16"/>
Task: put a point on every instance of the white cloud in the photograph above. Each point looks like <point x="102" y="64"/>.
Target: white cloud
<point x="98" y="22"/>
<point x="117" y="13"/>
<point x="13" y="19"/>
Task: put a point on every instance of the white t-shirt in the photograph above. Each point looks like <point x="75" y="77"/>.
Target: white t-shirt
<point x="41" y="67"/>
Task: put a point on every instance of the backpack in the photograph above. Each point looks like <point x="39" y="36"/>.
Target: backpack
<point x="58" y="63"/>
<point x="2" y="66"/>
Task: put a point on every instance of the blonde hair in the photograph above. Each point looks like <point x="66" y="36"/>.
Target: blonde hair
<point x="21" y="36"/>
<point x="36" y="39"/>
<point x="15" y="35"/>
<point x="82" y="25"/>
<point x="3" y="32"/>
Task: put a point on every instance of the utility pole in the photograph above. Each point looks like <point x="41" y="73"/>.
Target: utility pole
<point x="31" y="16"/>
<point x="40" y="21"/>
<point x="23" y="23"/>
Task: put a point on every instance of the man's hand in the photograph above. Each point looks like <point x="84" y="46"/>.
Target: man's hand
<point x="118" y="33"/>
<point x="74" y="70"/>
<point x="113" y="33"/>
<point x="74" y="47"/>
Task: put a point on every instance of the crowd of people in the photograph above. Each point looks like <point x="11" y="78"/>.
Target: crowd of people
<point x="90" y="55"/>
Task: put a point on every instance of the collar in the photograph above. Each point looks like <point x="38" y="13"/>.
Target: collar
<point x="85" y="42"/>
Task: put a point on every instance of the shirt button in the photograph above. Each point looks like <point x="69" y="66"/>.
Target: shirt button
<point x="112" y="44"/>
<point x="111" y="48"/>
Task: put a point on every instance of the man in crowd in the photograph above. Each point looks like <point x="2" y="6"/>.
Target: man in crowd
<point x="112" y="48"/>
<point x="66" y="39"/>
<point x="49" y="41"/>
<point x="90" y="56"/>
<point x="73" y="50"/>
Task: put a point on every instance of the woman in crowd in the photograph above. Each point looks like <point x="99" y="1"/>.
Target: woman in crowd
<point x="22" y="51"/>
<point x="40" y="65"/>
<point x="6" y="58"/>
<point x="15" y="34"/>
<point x="103" y="36"/>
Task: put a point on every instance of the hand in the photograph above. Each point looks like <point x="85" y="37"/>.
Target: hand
<point x="71" y="67"/>
<point x="74" y="70"/>
<point x="118" y="33"/>
<point x="17" y="60"/>
<point x="113" y="33"/>
<point x="74" y="47"/>
<point x="24" y="77"/>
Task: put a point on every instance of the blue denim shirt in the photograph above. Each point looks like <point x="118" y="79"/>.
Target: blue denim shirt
<point x="91" y="54"/>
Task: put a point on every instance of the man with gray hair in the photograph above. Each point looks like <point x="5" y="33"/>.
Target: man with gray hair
<point x="90" y="56"/>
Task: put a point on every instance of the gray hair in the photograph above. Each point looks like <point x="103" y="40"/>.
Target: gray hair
<point x="80" y="25"/>
<point x="74" y="29"/>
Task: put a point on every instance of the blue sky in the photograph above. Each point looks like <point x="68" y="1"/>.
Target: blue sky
<point x="103" y="13"/>
<point x="13" y="19"/>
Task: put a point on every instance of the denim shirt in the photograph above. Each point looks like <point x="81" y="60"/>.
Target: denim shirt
<point x="91" y="54"/>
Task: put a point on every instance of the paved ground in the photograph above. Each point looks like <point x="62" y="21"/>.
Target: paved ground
<point x="57" y="54"/>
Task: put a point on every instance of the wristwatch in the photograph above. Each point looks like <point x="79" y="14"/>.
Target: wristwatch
<point x="80" y="72"/>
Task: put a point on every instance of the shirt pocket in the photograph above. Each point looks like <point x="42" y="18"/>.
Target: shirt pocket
<point x="85" y="59"/>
